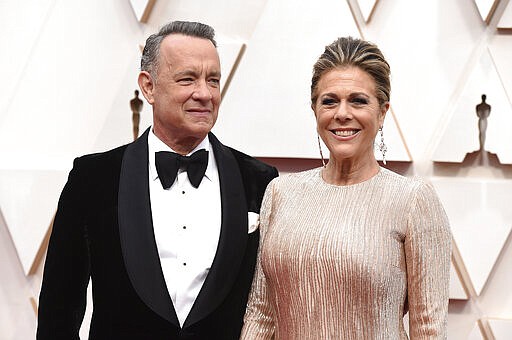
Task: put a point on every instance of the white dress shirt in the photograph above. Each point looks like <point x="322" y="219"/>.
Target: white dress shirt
<point x="186" y="223"/>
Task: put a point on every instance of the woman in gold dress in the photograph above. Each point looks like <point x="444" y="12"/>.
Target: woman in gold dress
<point x="347" y="249"/>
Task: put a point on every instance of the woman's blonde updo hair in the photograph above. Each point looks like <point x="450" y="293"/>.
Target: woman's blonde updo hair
<point x="348" y="51"/>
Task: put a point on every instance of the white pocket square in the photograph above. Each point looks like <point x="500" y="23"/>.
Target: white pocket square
<point x="254" y="221"/>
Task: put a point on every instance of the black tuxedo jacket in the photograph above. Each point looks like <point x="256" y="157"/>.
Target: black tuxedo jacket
<point x="103" y="230"/>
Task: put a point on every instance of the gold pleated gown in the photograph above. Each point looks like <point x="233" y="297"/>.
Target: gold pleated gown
<point x="347" y="262"/>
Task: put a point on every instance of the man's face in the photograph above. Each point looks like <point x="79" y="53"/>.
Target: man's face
<point x="186" y="92"/>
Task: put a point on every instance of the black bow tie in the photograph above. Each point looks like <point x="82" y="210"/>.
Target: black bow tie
<point x="168" y="163"/>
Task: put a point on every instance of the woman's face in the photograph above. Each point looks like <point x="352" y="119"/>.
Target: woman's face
<point x="348" y="114"/>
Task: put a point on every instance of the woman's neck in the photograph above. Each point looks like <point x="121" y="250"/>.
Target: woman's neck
<point x="348" y="171"/>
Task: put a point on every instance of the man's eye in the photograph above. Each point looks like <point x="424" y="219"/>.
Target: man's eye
<point x="185" y="80"/>
<point x="214" y="82"/>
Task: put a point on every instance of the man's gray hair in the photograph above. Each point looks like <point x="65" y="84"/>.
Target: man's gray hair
<point x="151" y="52"/>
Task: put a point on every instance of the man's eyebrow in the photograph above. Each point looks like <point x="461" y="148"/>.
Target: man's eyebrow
<point x="214" y="74"/>
<point x="186" y="73"/>
<point x="195" y="74"/>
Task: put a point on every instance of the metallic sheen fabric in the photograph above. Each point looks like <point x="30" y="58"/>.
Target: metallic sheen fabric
<point x="347" y="262"/>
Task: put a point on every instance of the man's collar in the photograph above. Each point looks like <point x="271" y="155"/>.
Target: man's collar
<point x="155" y="144"/>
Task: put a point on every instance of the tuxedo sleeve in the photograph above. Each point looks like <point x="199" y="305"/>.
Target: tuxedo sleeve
<point x="66" y="273"/>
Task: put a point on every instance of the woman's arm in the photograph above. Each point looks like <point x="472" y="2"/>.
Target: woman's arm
<point x="428" y="254"/>
<point x="259" y="316"/>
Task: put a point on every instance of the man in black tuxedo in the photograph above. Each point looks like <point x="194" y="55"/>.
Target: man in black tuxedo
<point x="168" y="241"/>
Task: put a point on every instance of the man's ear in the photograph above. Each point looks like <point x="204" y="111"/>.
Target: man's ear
<point x="147" y="86"/>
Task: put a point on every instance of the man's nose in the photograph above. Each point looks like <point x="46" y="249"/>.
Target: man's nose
<point x="202" y="91"/>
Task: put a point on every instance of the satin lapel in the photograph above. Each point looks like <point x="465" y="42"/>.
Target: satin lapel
<point x="233" y="236"/>
<point x="136" y="231"/>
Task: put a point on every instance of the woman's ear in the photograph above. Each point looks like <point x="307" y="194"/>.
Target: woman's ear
<point x="383" y="111"/>
<point x="146" y="85"/>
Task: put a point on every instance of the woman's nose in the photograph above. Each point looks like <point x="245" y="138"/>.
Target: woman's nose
<point x="343" y="111"/>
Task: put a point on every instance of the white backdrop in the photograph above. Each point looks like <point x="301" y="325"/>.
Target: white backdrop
<point x="70" y="69"/>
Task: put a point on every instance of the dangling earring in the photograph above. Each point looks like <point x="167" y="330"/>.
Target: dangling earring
<point x="382" y="146"/>
<point x="320" y="148"/>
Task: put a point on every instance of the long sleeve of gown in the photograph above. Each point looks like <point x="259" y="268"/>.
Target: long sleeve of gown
<point x="259" y="318"/>
<point x="428" y="254"/>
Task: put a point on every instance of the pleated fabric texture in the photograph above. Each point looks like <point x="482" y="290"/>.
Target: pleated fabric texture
<point x="347" y="262"/>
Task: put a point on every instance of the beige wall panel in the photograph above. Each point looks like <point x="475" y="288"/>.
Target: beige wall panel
<point x="496" y="300"/>
<point x="505" y="22"/>
<point x="456" y="288"/>
<point x="230" y="51"/>
<point x="18" y="41"/>
<point x="501" y="329"/>
<point x="142" y="9"/>
<point x="17" y="319"/>
<point x="62" y="100"/>
<point x="476" y="334"/>
<point x="428" y="45"/>
<point x="229" y="17"/>
<point x="117" y="125"/>
<point x="480" y="219"/>
<point x="486" y="8"/>
<point x="367" y="7"/>
<point x="71" y="68"/>
<point x="266" y="111"/>
<point x="461" y="134"/>
<point x="28" y="199"/>
<point x="71" y="78"/>
<point x="500" y="48"/>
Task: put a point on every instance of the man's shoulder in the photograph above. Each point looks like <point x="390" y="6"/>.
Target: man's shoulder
<point x="250" y="163"/>
<point x="101" y="160"/>
<point x="255" y="177"/>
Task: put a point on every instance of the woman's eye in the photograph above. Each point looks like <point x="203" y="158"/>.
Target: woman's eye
<point x="360" y="101"/>
<point x="328" y="101"/>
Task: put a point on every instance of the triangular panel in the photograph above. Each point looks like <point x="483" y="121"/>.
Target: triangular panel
<point x="396" y="148"/>
<point x="230" y="53"/>
<point x="505" y="23"/>
<point x="501" y="329"/>
<point x="461" y="134"/>
<point x="457" y="291"/>
<point x="486" y="8"/>
<point x="367" y="7"/>
<point x="500" y="48"/>
<point x="476" y="333"/>
<point x="480" y="215"/>
<point x="28" y="199"/>
<point x="142" y="9"/>
<point x="21" y="38"/>
<point x="17" y="319"/>
<point x="266" y="111"/>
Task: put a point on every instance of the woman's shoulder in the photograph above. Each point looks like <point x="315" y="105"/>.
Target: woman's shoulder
<point x="410" y="184"/>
